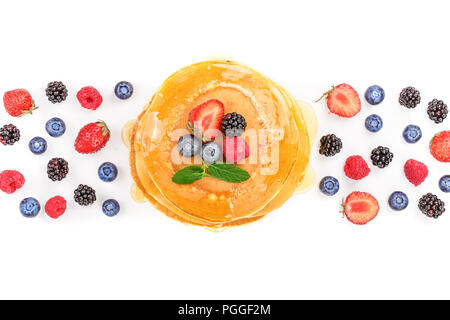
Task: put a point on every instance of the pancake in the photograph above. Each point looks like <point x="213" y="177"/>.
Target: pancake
<point x="277" y="133"/>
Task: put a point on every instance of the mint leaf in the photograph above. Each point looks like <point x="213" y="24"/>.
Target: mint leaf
<point x="188" y="175"/>
<point x="228" y="172"/>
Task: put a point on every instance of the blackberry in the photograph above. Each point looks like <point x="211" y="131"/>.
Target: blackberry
<point x="84" y="195"/>
<point x="330" y="145"/>
<point x="409" y="97"/>
<point x="437" y="110"/>
<point x="57" y="169"/>
<point x="431" y="205"/>
<point x="381" y="157"/>
<point x="56" y="92"/>
<point x="9" y="134"/>
<point x="233" y="124"/>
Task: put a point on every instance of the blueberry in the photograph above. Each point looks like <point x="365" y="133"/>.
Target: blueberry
<point x="398" y="200"/>
<point x="412" y="134"/>
<point x="107" y="172"/>
<point x="110" y="207"/>
<point x="29" y="207"/>
<point x="374" y="95"/>
<point x="123" y="90"/>
<point x="55" y="127"/>
<point x="444" y="183"/>
<point x="329" y="185"/>
<point x="374" y="123"/>
<point x="189" y="146"/>
<point x="38" y="145"/>
<point x="211" y="152"/>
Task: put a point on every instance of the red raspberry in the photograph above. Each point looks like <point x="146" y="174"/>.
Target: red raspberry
<point x="356" y="168"/>
<point x="235" y="149"/>
<point x="11" y="180"/>
<point x="416" y="172"/>
<point x="89" y="98"/>
<point x="55" y="207"/>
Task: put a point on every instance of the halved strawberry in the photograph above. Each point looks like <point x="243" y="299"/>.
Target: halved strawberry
<point x="360" y="207"/>
<point x="343" y="100"/>
<point x="206" y="118"/>
<point x="235" y="149"/>
<point x="440" y="146"/>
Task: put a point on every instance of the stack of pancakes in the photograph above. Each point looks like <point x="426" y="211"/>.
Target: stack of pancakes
<point x="279" y="157"/>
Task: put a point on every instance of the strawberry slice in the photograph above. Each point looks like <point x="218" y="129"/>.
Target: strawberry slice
<point x="360" y="207"/>
<point x="235" y="149"/>
<point x="343" y="100"/>
<point x="206" y="118"/>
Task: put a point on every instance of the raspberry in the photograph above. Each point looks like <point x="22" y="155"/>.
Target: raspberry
<point x="356" y="168"/>
<point x="55" y="207"/>
<point x="11" y="180"/>
<point x="89" y="98"/>
<point x="416" y="172"/>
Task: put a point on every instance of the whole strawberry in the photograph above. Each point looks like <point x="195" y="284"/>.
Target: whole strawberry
<point x="18" y="102"/>
<point x="92" y="137"/>
<point x="440" y="146"/>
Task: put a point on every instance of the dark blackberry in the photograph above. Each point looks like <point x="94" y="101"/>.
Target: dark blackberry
<point x="431" y="205"/>
<point x="437" y="110"/>
<point x="409" y="97"/>
<point x="57" y="169"/>
<point x="381" y="157"/>
<point x="84" y="195"/>
<point x="9" y="134"/>
<point x="330" y="145"/>
<point x="56" y="92"/>
<point x="233" y="124"/>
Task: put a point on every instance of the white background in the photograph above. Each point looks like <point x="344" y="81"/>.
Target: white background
<point x="303" y="250"/>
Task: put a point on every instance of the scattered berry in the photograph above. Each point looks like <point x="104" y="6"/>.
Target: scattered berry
<point x="11" y="180"/>
<point x="412" y="133"/>
<point x="440" y="146"/>
<point x="374" y="95"/>
<point x="374" y="123"/>
<point x="398" y="201"/>
<point x="56" y="92"/>
<point x="84" y="195"/>
<point x="211" y="152"/>
<point x="111" y="207"/>
<point x="444" y="183"/>
<point x="437" y="110"/>
<point x="189" y="146"/>
<point x="409" y="97"/>
<point x="330" y="145"/>
<point x="416" y="172"/>
<point x="206" y="119"/>
<point x="29" y="207"/>
<point x="55" y="127"/>
<point x="431" y="205"/>
<point x="107" y="172"/>
<point x="9" y="134"/>
<point x="18" y="102"/>
<point x="381" y="157"/>
<point x="329" y="185"/>
<point x="235" y="149"/>
<point x="360" y="207"/>
<point x="92" y="137"/>
<point x="123" y="90"/>
<point x="343" y="100"/>
<point x="37" y="145"/>
<point x="57" y="169"/>
<point x="89" y="98"/>
<point x="233" y="124"/>
<point x="55" y="207"/>
<point x="356" y="168"/>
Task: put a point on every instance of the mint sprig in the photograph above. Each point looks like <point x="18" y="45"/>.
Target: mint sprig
<point x="222" y="171"/>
